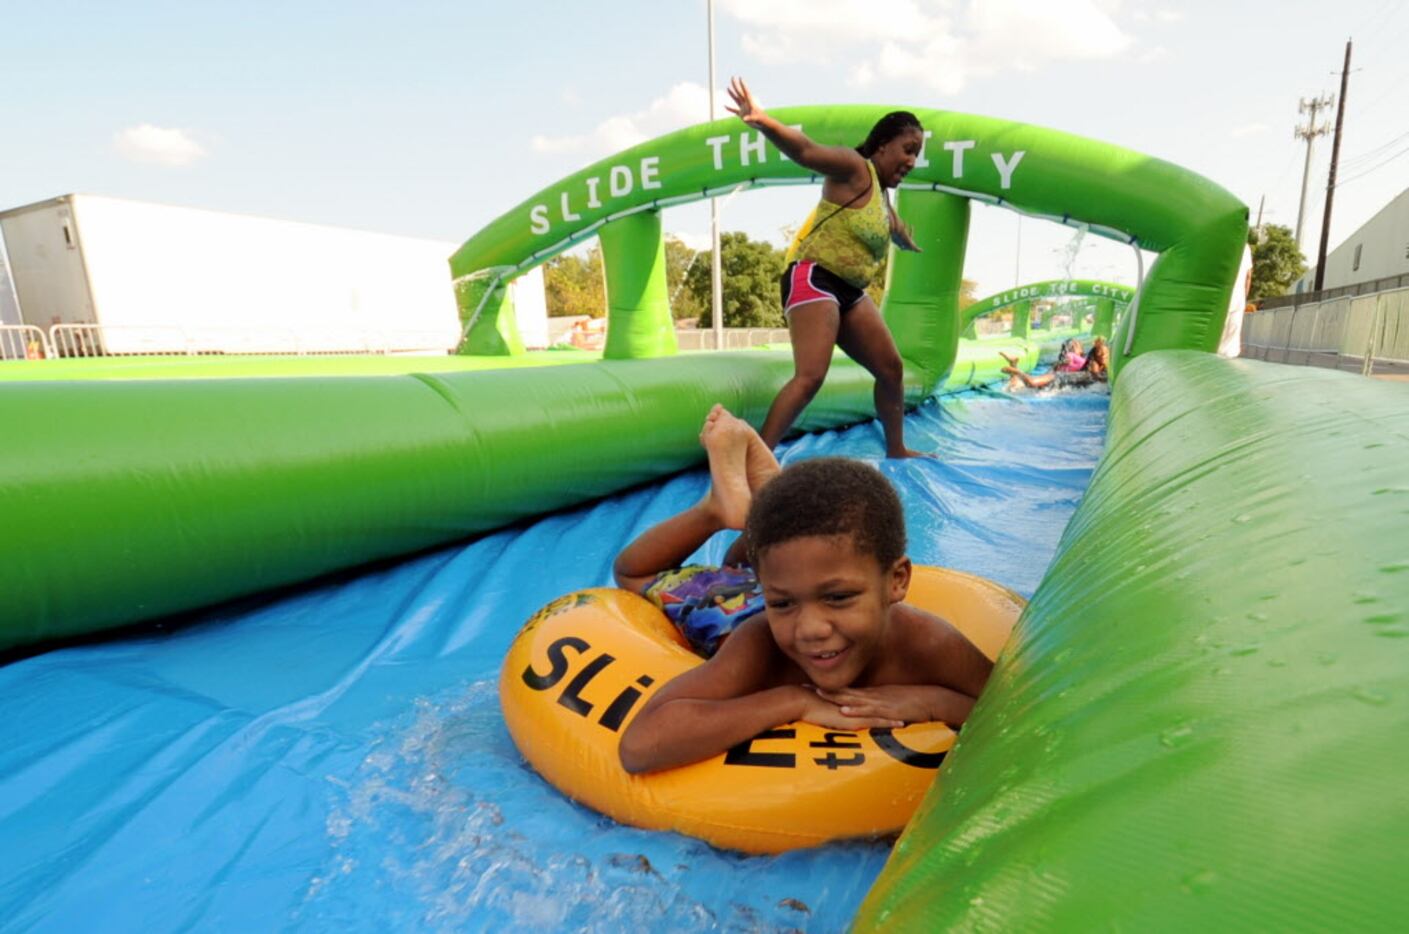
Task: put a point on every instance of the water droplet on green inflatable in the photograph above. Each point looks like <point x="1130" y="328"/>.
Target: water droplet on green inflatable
<point x="1394" y="632"/>
<point x="1371" y="696"/>
<point x="1380" y="619"/>
<point x="1242" y="518"/>
<point x="1176" y="736"/>
<point x="1395" y="568"/>
<point x="1200" y="881"/>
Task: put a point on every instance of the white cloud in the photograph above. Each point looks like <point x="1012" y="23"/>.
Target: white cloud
<point x="941" y="45"/>
<point x="157" y="145"/>
<point x="1169" y="16"/>
<point x="683" y="105"/>
<point x="1247" y="129"/>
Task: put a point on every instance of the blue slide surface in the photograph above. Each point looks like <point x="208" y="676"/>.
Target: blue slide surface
<point x="334" y="755"/>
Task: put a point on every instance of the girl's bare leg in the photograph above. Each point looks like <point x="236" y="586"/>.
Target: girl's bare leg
<point x="866" y="339"/>
<point x="813" y="329"/>
<point x="1031" y="382"/>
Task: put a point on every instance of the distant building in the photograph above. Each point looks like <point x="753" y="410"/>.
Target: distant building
<point x="102" y="275"/>
<point x="1380" y="248"/>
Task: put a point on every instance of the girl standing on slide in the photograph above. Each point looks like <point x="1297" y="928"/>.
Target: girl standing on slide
<point x="834" y="256"/>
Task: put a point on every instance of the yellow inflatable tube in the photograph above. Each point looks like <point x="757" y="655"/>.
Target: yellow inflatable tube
<point x="584" y="664"/>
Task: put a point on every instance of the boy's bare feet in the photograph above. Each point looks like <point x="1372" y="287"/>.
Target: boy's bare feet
<point x="760" y="464"/>
<point x="727" y="441"/>
<point x="909" y="452"/>
<point x="1011" y="358"/>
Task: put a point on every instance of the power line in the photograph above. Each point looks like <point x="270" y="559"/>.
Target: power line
<point x="1397" y="83"/>
<point x="1373" y="168"/>
<point x="1388" y="4"/>
<point x="1380" y="45"/>
<point x="1375" y="153"/>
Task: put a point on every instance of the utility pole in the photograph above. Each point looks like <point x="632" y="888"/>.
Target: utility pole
<point x="1261" y="202"/>
<point x="1331" y="178"/>
<point x="716" y="273"/>
<point x="1309" y="133"/>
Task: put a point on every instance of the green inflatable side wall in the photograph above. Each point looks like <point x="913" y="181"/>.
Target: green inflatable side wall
<point x="1200" y="721"/>
<point x="133" y="499"/>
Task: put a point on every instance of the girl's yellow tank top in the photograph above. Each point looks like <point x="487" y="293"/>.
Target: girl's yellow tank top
<point x="850" y="242"/>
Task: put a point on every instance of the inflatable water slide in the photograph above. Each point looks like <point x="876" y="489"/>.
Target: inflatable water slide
<point x="252" y="624"/>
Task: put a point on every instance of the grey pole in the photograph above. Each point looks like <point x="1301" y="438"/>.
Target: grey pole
<point x="1309" y="133"/>
<point x="716" y="274"/>
<point x="1331" y="176"/>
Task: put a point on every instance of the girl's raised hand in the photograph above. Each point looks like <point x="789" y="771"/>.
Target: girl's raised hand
<point x="746" y="108"/>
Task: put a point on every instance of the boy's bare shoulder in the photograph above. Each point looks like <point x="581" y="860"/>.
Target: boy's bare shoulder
<point x="934" y="651"/>
<point x="919" y="629"/>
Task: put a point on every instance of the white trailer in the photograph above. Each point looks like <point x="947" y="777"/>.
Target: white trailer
<point x="106" y="275"/>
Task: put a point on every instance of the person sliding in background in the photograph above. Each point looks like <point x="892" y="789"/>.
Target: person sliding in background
<point x="834" y="256"/>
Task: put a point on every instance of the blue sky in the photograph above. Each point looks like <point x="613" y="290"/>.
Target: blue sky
<point x="429" y="119"/>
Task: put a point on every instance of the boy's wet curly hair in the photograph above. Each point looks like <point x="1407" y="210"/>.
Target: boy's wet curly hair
<point x="828" y="496"/>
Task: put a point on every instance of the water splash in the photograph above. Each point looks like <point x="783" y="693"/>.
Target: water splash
<point x="426" y="835"/>
<point x="1071" y="250"/>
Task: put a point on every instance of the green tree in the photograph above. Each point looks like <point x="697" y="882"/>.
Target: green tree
<point x="1276" y="261"/>
<point x="573" y="285"/>
<point x="968" y="293"/>
<point x="751" y="270"/>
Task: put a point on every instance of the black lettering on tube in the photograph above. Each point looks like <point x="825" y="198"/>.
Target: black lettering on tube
<point x="557" y="660"/>
<point x="743" y="753"/>
<point x="571" y="698"/>
<point x="616" y="712"/>
<point x="832" y="761"/>
<point x="885" y="738"/>
<point x="831" y="740"/>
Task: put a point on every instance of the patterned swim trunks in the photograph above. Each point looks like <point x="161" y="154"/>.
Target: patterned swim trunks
<point x="706" y="603"/>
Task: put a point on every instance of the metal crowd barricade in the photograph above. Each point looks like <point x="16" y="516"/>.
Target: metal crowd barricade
<point x="1346" y="330"/>
<point x="24" y="342"/>
<point x="96" y="340"/>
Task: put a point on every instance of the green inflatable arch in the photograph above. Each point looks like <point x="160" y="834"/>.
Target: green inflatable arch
<point x="1197" y="227"/>
<point x="1111" y="298"/>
